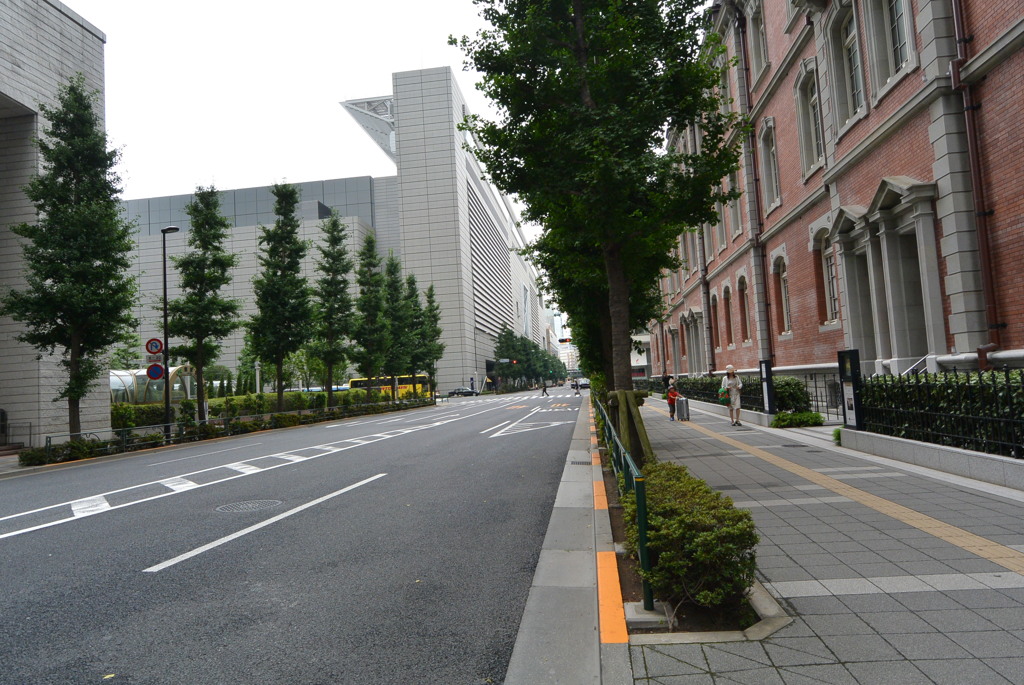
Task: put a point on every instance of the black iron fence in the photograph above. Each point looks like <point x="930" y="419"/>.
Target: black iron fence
<point x="825" y="393"/>
<point x="983" y="411"/>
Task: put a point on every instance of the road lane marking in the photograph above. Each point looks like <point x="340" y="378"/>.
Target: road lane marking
<point x="245" y="531"/>
<point x="179" y="484"/>
<point x="196" y="456"/>
<point x="243" y="468"/>
<point x="327" y="449"/>
<point x="90" y="506"/>
<point x="493" y="427"/>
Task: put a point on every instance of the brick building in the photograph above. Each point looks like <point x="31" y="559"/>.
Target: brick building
<point x="882" y="192"/>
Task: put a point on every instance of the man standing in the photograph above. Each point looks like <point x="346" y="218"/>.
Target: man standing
<point x="673" y="395"/>
<point x="544" y="389"/>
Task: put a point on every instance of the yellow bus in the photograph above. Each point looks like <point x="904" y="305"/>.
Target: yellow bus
<point x="382" y="384"/>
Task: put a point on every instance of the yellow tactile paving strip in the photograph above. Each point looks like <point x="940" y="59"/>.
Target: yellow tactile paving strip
<point x="1006" y="557"/>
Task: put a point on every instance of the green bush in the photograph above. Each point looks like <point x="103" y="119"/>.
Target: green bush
<point x="701" y="547"/>
<point x="284" y="420"/>
<point x="150" y="414"/>
<point x="33" y="456"/>
<point x="791" y="395"/>
<point x="122" y="415"/>
<point x="837" y="436"/>
<point x="797" y="419"/>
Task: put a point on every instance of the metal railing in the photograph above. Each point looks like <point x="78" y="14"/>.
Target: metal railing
<point x="633" y="481"/>
<point x="825" y="393"/>
<point x="983" y="412"/>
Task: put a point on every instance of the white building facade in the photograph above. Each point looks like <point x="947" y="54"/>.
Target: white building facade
<point x="44" y="44"/>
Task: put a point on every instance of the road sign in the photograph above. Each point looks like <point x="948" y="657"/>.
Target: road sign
<point x="503" y="361"/>
<point x="155" y="371"/>
<point x="154" y="359"/>
<point x="154" y="346"/>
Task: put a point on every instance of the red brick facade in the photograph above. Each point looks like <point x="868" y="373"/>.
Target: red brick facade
<point x="861" y="224"/>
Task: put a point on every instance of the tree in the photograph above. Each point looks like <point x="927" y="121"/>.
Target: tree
<point x="587" y="91"/>
<point x="417" y="345"/>
<point x="282" y="321"/>
<point x="372" y="329"/>
<point x="332" y="302"/>
<point x="203" y="316"/>
<point x="399" y="314"/>
<point x="430" y="349"/>
<point x="79" y="293"/>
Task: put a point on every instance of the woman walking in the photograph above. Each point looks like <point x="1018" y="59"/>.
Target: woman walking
<point x="733" y="384"/>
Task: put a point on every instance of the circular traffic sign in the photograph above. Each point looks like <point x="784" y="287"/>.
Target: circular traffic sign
<point x="155" y="371"/>
<point x="154" y="346"/>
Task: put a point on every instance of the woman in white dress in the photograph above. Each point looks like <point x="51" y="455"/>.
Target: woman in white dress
<point x="733" y="384"/>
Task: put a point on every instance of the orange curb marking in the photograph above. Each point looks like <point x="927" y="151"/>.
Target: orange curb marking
<point x="600" y="497"/>
<point x="1002" y="555"/>
<point x="595" y="458"/>
<point x="611" y="615"/>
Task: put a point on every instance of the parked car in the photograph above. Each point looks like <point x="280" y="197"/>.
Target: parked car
<point x="584" y="382"/>
<point x="462" y="392"/>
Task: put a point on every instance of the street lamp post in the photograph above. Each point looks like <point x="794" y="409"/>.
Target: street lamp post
<point x="167" y="352"/>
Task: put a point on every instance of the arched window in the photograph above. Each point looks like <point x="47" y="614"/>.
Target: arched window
<point x="785" y="322"/>
<point x="716" y="339"/>
<point x="769" y="165"/>
<point x="727" y="297"/>
<point x="808" y="108"/>
<point x="741" y="287"/>
<point x="847" y="74"/>
<point x="826" y="281"/>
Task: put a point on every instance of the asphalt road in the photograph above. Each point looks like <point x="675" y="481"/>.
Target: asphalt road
<point x="391" y="549"/>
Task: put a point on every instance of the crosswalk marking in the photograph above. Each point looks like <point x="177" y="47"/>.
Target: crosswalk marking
<point x="179" y="484"/>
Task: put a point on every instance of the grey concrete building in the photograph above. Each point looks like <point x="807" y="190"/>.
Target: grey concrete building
<point x="42" y="45"/>
<point x="447" y="226"/>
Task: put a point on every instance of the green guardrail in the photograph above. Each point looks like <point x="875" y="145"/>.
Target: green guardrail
<point x="633" y="481"/>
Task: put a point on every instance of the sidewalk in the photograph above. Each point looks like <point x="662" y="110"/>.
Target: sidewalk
<point x="892" y="574"/>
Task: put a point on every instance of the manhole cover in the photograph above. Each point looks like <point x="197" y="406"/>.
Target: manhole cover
<point x="255" y="505"/>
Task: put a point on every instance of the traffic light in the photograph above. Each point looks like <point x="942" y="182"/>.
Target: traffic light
<point x="565" y="340"/>
<point x="514" y="361"/>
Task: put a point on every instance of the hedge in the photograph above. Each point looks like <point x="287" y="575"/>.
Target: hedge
<point x="701" y="547"/>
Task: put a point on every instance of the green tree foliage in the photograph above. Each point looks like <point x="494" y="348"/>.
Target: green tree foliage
<point x="399" y="313"/>
<point x="284" y="313"/>
<point x="372" y="329"/>
<point x="203" y="316"/>
<point x="527" y="362"/>
<point x="416" y="340"/>
<point x="333" y="307"/>
<point x="587" y="91"/>
<point x="79" y="293"/>
<point x="430" y="349"/>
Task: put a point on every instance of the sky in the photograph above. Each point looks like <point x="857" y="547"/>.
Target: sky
<point x="240" y="94"/>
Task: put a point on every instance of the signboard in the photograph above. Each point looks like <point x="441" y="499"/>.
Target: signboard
<point x="503" y="361"/>
<point x="767" y="386"/>
<point x="155" y="371"/>
<point x="154" y="359"/>
<point x="849" y="376"/>
<point x="154" y="346"/>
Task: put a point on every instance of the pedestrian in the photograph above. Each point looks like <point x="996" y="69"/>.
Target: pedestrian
<point x="576" y="387"/>
<point x="733" y="384"/>
<point x="544" y="389"/>
<point x="673" y="395"/>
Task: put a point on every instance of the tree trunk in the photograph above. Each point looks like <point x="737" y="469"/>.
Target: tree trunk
<point x="618" y="310"/>
<point x="279" y="369"/>
<point x="74" y="403"/>
<point x="200" y="394"/>
<point x="74" y="418"/>
<point x="330" y="385"/>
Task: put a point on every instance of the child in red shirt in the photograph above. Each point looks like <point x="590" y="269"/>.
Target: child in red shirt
<point x="673" y="395"/>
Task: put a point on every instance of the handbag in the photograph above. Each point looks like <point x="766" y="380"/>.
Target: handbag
<point x="723" y="396"/>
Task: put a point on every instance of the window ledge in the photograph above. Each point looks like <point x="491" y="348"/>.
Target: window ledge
<point x="892" y="81"/>
<point x="765" y="70"/>
<point x="830" y="326"/>
<point x="748" y="343"/>
<point x="773" y="206"/>
<point x="811" y="170"/>
<point x="785" y="335"/>
<point x="731" y="346"/>
<point x="851" y="122"/>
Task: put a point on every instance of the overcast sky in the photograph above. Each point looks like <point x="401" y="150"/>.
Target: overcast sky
<point x="241" y="94"/>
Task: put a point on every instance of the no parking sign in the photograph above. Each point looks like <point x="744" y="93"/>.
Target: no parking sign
<point x="155" y="371"/>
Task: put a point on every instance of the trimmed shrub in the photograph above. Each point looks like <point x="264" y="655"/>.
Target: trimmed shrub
<point x="796" y="419"/>
<point x="701" y="547"/>
<point x="837" y="436"/>
<point x="122" y="415"/>
<point x="150" y="414"/>
<point x="284" y="420"/>
<point x="791" y="395"/>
